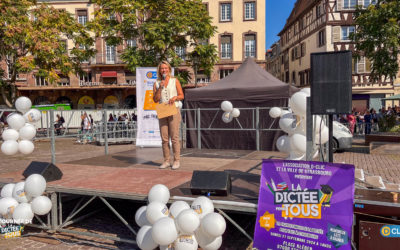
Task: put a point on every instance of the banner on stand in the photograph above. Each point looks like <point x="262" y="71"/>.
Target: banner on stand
<point x="148" y="130"/>
<point x="304" y="205"/>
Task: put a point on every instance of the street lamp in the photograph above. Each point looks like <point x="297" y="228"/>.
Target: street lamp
<point x="195" y="62"/>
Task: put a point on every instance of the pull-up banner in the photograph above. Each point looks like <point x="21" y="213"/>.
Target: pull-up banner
<point x="304" y="205"/>
<point x="148" y="130"/>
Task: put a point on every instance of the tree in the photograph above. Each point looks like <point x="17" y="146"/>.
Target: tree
<point x="33" y="38"/>
<point x="158" y="27"/>
<point x="378" y="37"/>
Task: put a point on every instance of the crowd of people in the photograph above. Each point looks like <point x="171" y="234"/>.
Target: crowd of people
<point x="122" y="117"/>
<point x="367" y="121"/>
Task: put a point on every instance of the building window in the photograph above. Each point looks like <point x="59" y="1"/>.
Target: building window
<point x="82" y="16"/>
<point x="349" y="4"/>
<point x="63" y="80"/>
<point x="224" y="72"/>
<point x="321" y="38"/>
<point x="294" y="77"/>
<point x="368" y="3"/>
<point x="41" y="81"/>
<point x="202" y="77"/>
<point x="85" y="77"/>
<point x="249" y="10"/>
<point x="346" y="31"/>
<point x="249" y="46"/>
<point x="361" y="65"/>
<point x="226" y="12"/>
<point x="303" y="49"/>
<point x="226" y="47"/>
<point x="181" y="52"/>
<point x="110" y="54"/>
<point x="130" y="43"/>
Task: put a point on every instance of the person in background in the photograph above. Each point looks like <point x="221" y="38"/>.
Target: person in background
<point x="367" y="122"/>
<point x="59" y="123"/>
<point x="167" y="89"/>
<point x="110" y="118"/>
<point x="351" y="119"/>
<point x="87" y="126"/>
<point x="91" y="119"/>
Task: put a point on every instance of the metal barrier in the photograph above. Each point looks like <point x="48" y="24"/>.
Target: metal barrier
<point x="117" y="132"/>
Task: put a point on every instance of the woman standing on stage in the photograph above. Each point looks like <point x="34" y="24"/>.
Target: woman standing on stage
<point x="167" y="89"/>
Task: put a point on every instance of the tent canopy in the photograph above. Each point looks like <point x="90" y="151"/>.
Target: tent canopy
<point x="395" y="97"/>
<point x="249" y="86"/>
<point x="249" y="81"/>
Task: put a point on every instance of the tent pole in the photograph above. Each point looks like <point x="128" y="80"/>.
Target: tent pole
<point x="258" y="128"/>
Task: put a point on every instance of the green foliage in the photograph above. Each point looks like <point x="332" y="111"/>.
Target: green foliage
<point x="378" y="37"/>
<point x="183" y="77"/>
<point x="387" y="122"/>
<point x="32" y="37"/>
<point x="158" y="28"/>
<point x="395" y="129"/>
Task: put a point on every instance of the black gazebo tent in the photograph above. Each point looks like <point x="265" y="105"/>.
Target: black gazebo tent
<point x="247" y="87"/>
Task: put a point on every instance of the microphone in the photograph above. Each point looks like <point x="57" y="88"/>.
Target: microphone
<point x="163" y="76"/>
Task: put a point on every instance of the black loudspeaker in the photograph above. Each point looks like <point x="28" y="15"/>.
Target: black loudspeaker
<point x="212" y="182"/>
<point x="49" y="171"/>
<point x="331" y="83"/>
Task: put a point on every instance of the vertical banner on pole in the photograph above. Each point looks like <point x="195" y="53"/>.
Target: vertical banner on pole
<point x="148" y="130"/>
<point x="305" y="205"/>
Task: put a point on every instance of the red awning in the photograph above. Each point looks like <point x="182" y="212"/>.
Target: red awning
<point x="109" y="74"/>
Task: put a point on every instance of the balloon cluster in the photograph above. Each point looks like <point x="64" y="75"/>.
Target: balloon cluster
<point x="19" y="135"/>
<point x="229" y="111"/>
<point x="22" y="200"/>
<point x="181" y="227"/>
<point x="294" y="124"/>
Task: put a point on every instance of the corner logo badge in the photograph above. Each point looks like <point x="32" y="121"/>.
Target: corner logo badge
<point x="385" y="231"/>
<point x="151" y="75"/>
<point x="390" y="231"/>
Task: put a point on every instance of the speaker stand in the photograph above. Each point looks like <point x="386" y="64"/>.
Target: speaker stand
<point x="330" y="126"/>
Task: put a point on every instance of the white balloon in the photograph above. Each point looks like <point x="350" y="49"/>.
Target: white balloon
<point x="35" y="185"/>
<point x="23" y="213"/>
<point x="7" y="190"/>
<point x="19" y="192"/>
<point x="275" y="112"/>
<point x="298" y="103"/>
<point x="283" y="144"/>
<point x="26" y="147"/>
<point x="33" y="115"/>
<point x="7" y="205"/>
<point x="284" y="112"/>
<point x="164" y="231"/>
<point x="15" y="121"/>
<point x="10" y="135"/>
<point x="227" y="117"/>
<point x="155" y="211"/>
<point x="27" y="132"/>
<point x="159" y="193"/>
<point x="23" y="104"/>
<point x="213" y="224"/>
<point x="188" y="221"/>
<point x="301" y="127"/>
<point x="186" y="242"/>
<point x="177" y="207"/>
<point x="167" y="247"/>
<point x="227" y="106"/>
<point x="203" y="206"/>
<point x="140" y="216"/>
<point x="41" y="205"/>
<point x="9" y="147"/>
<point x="307" y="91"/>
<point x="235" y="113"/>
<point x="298" y="143"/>
<point x="144" y="239"/>
<point x="207" y="242"/>
<point x="288" y="123"/>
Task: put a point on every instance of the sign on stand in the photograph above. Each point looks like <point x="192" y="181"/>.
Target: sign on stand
<point x="304" y="205"/>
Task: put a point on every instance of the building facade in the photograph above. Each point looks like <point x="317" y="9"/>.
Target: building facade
<point x="324" y="26"/>
<point x="107" y="83"/>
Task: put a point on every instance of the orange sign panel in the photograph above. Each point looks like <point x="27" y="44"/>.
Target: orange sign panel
<point x="148" y="101"/>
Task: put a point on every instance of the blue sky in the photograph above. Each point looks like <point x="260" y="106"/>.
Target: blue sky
<point x="276" y="12"/>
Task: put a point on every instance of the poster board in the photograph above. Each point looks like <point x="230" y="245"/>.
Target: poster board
<point x="304" y="205"/>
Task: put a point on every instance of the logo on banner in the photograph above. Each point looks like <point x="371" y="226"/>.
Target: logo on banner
<point x="151" y="75"/>
<point x="298" y="202"/>
<point x="390" y="231"/>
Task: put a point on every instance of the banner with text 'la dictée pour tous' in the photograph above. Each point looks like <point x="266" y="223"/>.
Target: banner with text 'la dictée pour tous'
<point x="305" y="205"/>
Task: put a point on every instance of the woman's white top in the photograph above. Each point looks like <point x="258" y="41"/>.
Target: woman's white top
<point x="169" y="91"/>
